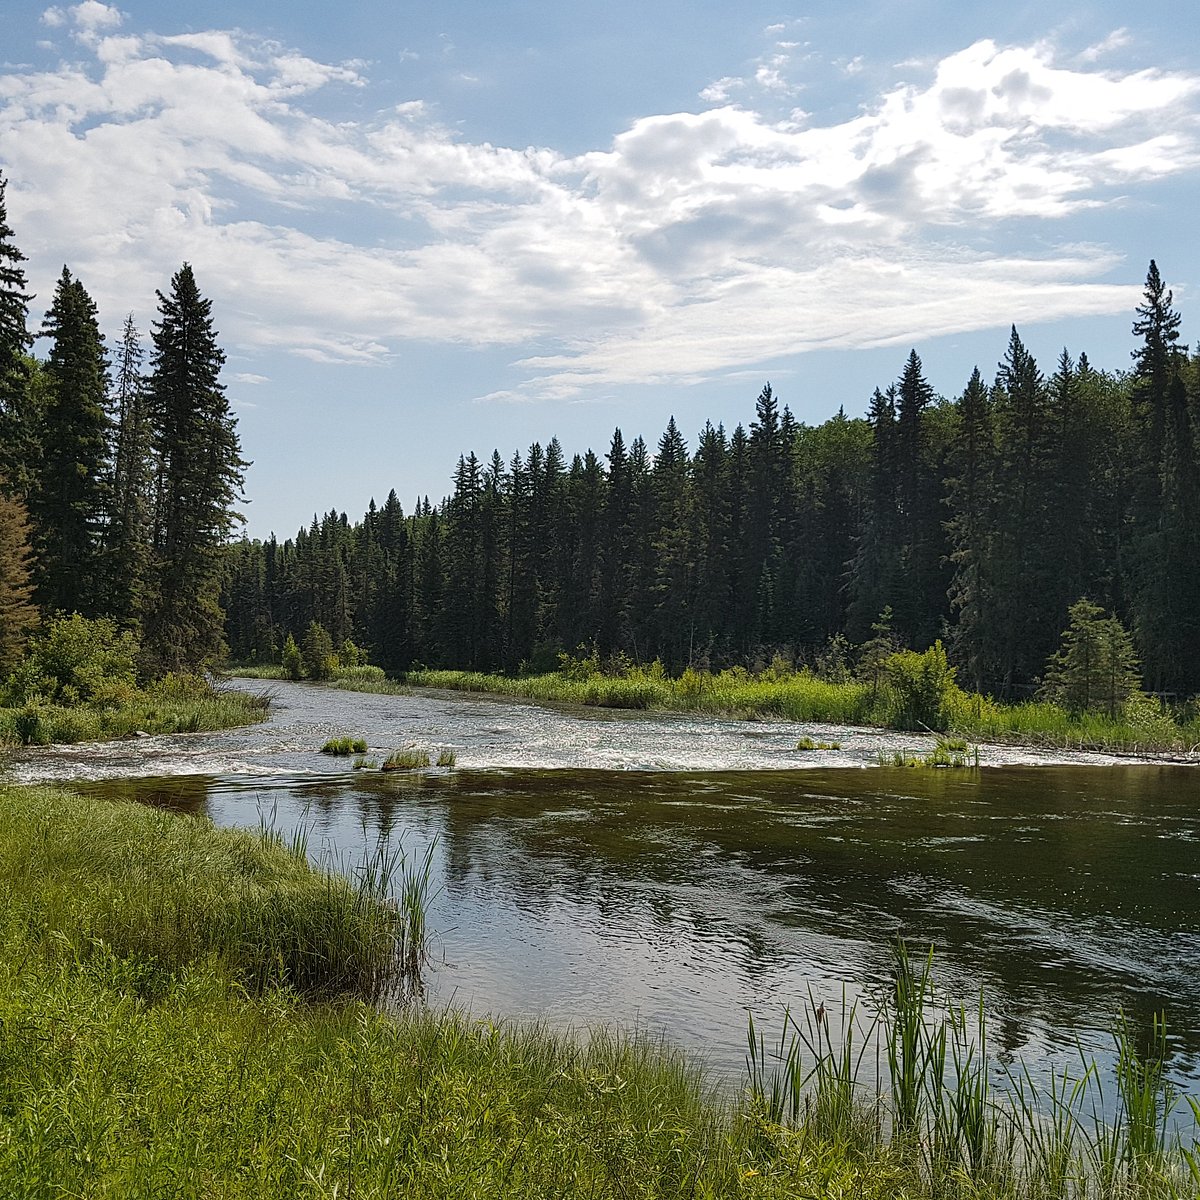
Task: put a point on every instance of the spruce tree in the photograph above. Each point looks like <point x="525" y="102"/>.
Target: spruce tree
<point x="17" y="428"/>
<point x="1095" y="669"/>
<point x="198" y="479"/>
<point x="70" y="497"/>
<point x="127" y="537"/>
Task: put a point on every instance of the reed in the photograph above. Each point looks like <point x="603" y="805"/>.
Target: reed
<point x="344" y="746"/>
<point x="410" y="758"/>
<point x="447" y="758"/>
<point x="942" y="1122"/>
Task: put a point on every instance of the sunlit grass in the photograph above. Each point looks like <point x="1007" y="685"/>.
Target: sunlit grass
<point x="159" y="708"/>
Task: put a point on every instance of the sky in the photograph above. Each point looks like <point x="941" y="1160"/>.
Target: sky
<point x="430" y="229"/>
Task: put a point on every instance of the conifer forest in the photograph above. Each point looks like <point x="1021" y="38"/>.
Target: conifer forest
<point x="978" y="519"/>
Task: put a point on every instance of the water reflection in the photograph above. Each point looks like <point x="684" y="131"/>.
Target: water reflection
<point x="677" y="900"/>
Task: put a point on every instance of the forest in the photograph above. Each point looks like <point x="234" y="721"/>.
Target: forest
<point x="978" y="519"/>
<point x="118" y="487"/>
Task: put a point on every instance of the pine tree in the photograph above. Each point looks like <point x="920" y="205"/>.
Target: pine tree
<point x="17" y="424"/>
<point x="18" y="615"/>
<point x="198" y="479"/>
<point x="127" y="538"/>
<point x="70" y="496"/>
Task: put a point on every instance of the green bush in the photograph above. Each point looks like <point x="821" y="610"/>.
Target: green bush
<point x="293" y="663"/>
<point x="76" y="660"/>
<point x="922" y="693"/>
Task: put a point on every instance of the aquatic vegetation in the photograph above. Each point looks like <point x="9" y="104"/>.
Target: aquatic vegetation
<point x="942" y="1122"/>
<point x="344" y="746"/>
<point x="410" y="758"/>
<point x="807" y="743"/>
<point x="947" y="752"/>
<point x="363" y="763"/>
<point x="447" y="758"/>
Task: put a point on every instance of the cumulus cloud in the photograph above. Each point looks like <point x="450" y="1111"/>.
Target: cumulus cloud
<point x="694" y="244"/>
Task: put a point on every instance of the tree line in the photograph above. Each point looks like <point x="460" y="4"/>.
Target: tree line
<point x="978" y="519"/>
<point x="117" y="483"/>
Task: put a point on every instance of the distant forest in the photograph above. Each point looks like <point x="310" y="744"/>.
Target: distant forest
<point x="977" y="519"/>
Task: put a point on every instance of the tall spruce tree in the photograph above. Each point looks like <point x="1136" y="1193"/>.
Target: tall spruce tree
<point x="198" y="479"/>
<point x="17" y="425"/>
<point x="70" y="497"/>
<point x="127" y="537"/>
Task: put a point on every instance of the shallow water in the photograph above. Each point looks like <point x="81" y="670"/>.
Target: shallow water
<point x="595" y="866"/>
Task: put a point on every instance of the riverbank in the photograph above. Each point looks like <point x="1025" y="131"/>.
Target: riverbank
<point x="172" y="705"/>
<point x="800" y="696"/>
<point x="149" y="1047"/>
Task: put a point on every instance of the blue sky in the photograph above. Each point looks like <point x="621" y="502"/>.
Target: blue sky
<point x="429" y="229"/>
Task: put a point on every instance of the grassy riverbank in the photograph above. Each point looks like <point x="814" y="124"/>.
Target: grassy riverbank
<point x="172" y="705"/>
<point x="804" y="697"/>
<point x="167" y="1028"/>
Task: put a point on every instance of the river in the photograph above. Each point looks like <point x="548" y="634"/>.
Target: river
<point x="671" y="873"/>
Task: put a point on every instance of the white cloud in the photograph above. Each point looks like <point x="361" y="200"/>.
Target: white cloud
<point x="695" y="244"/>
<point x="1116" y="40"/>
<point x="250" y="378"/>
<point x="55" y="18"/>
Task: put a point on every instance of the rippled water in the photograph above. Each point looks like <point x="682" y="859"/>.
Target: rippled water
<point x="648" y="870"/>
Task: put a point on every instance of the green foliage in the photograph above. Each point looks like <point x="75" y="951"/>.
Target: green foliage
<point x="76" y="660"/>
<point x="344" y="746"/>
<point x="316" y="649"/>
<point x="807" y="743"/>
<point x="447" y="758"/>
<point x="411" y="758"/>
<point x="1096" y="668"/>
<point x="922" y="692"/>
<point x="293" y="661"/>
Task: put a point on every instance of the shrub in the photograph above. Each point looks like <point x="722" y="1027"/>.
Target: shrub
<point x="320" y="662"/>
<point x="922" y="691"/>
<point x="74" y="660"/>
<point x="293" y="663"/>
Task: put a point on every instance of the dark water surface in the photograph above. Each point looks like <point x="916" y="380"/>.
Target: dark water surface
<point x="676" y="899"/>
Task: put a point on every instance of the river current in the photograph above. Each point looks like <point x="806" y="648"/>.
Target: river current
<point x="672" y="873"/>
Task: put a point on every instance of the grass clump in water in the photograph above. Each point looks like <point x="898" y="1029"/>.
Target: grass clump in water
<point x="447" y="758"/>
<point x="410" y="758"/>
<point x="947" y="752"/>
<point x="807" y="743"/>
<point x="344" y="746"/>
<point x="363" y="763"/>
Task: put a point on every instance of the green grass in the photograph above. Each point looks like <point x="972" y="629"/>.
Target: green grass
<point x="101" y="878"/>
<point x="411" y="758"/>
<point x="803" y="697"/>
<point x="344" y="746"/>
<point x="807" y="743"/>
<point x="160" y="708"/>
<point x="447" y="758"/>
<point x="165" y="1030"/>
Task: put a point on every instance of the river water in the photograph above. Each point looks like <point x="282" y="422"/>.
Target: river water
<point x="672" y="873"/>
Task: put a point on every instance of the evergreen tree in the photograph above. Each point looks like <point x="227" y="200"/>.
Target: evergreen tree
<point x="17" y="423"/>
<point x="198" y="479"/>
<point x="18" y="615"/>
<point x="1095" y="669"/>
<point x="127" y="538"/>
<point x="70" y="496"/>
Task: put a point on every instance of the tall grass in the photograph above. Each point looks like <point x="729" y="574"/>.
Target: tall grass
<point x="95" y="877"/>
<point x="941" y="1118"/>
<point x="165" y="707"/>
<point x="805" y="697"/>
